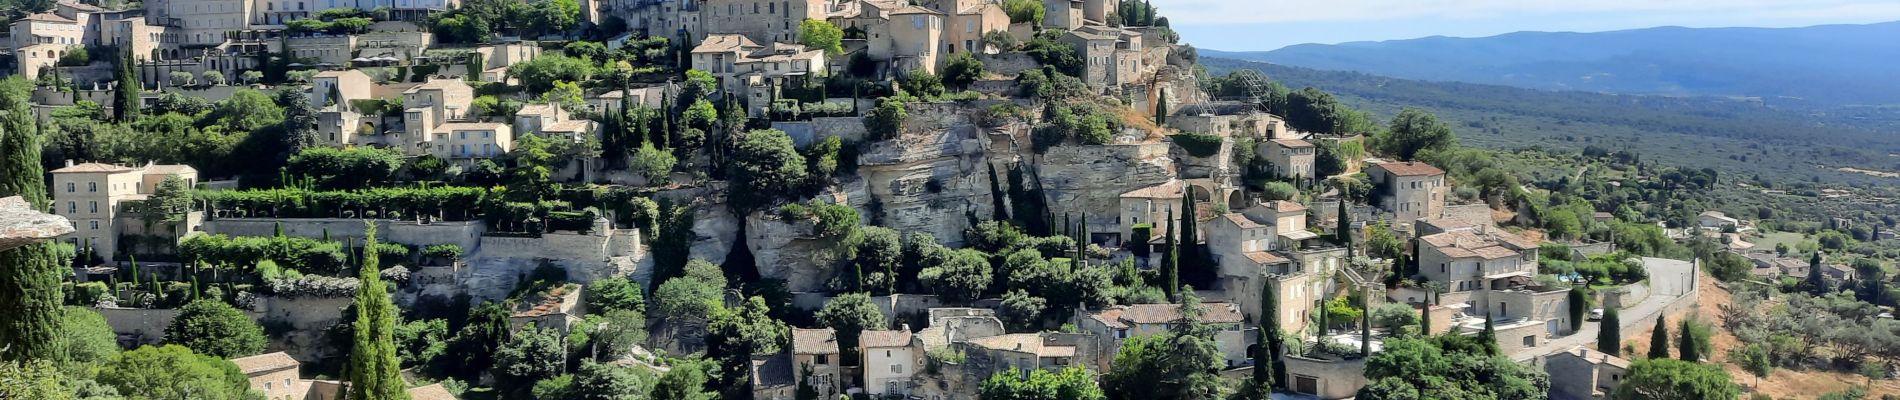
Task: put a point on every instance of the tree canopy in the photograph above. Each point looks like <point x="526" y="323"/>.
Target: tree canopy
<point x="216" y="329"/>
<point x="174" y="372"/>
<point x="1670" y="379"/>
<point x="1451" y="367"/>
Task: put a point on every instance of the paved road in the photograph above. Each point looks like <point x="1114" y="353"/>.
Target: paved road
<point x="1668" y="280"/>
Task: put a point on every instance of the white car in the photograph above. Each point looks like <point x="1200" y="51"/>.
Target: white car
<point x="1596" y="315"/>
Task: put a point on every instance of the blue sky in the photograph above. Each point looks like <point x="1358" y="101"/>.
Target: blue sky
<point x="1239" y="25"/>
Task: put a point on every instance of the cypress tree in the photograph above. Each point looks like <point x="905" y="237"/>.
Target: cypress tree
<point x="1689" y="345"/>
<point x="1578" y="305"/>
<point x="1817" y="284"/>
<point x="1610" y="336"/>
<point x="29" y="275"/>
<point x="1344" y="234"/>
<point x="1489" y="337"/>
<point x="1365" y="326"/>
<point x="1170" y="262"/>
<point x="1270" y="335"/>
<point x="126" y="90"/>
<point x="1190" y="235"/>
<point x="1659" y="340"/>
<point x="373" y="372"/>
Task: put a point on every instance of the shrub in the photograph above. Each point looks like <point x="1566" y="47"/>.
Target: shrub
<point x="1198" y="144"/>
<point x="448" y="251"/>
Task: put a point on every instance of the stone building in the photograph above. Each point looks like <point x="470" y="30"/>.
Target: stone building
<point x="1584" y="374"/>
<point x="1117" y="324"/>
<point x="967" y="21"/>
<point x="1062" y="14"/>
<point x="818" y="349"/>
<point x="275" y="375"/>
<point x="1269" y="244"/>
<point x="1410" y="190"/>
<point x="762" y="22"/>
<point x="890" y="358"/>
<point x="94" y="197"/>
<point x="430" y="106"/>
<point x="1151" y="205"/>
<point x="1291" y="158"/>
<point x="1229" y="119"/>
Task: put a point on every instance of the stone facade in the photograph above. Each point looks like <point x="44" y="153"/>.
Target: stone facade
<point x="1410" y="190"/>
<point x="94" y="197"/>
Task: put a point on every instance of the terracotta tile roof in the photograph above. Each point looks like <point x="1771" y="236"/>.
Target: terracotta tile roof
<point x="464" y="126"/>
<point x="1411" y="168"/>
<point x="48" y="17"/>
<point x="571" y="125"/>
<point x="91" y="167"/>
<point x="725" y="43"/>
<point x="1292" y="143"/>
<point x="1241" y="220"/>
<point x="264" y="363"/>
<point x="814" y="341"/>
<point x="1129" y="315"/>
<point x="1489" y="245"/>
<point x="774" y="371"/>
<point x="431" y="392"/>
<point x="1598" y="357"/>
<point x="884" y="339"/>
<point x="907" y="10"/>
<point x="1024" y="342"/>
<point x="1283" y="206"/>
<point x="1165" y="190"/>
<point x="536" y="109"/>
<point x="1265" y="258"/>
<point x="440" y="84"/>
<point x="169" y="169"/>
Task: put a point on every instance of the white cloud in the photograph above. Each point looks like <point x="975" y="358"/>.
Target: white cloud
<point x="1284" y="11"/>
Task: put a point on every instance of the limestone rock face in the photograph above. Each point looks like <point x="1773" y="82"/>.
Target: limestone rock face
<point x="20" y="224"/>
<point x="1213" y="166"/>
<point x="1091" y="179"/>
<point x="932" y="178"/>
<point x="789" y="250"/>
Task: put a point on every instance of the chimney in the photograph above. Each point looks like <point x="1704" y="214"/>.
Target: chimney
<point x="905" y="327"/>
<point x="69" y="162"/>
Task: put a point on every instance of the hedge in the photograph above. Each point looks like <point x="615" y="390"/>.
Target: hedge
<point x="444" y="203"/>
<point x="1198" y="144"/>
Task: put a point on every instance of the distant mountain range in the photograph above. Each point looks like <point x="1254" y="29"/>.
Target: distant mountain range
<point x="1829" y="64"/>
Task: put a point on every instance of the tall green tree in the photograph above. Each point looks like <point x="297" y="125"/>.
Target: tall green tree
<point x="126" y="91"/>
<point x="1694" y="343"/>
<point x="29" y="275"/>
<point x="1816" y="283"/>
<point x="216" y="329"/>
<point x="1267" y="363"/>
<point x="1072" y="383"/>
<point x="850" y="314"/>
<point x="1609" y="334"/>
<point x="1173" y="365"/>
<point x="1161" y="108"/>
<point x="1579" y="304"/>
<point x="1448" y="367"/>
<point x="374" y="372"/>
<point x="174" y="372"/>
<point x="1659" y="339"/>
<point x="1170" y="261"/>
<point x="1412" y="131"/>
<point x="1669" y="379"/>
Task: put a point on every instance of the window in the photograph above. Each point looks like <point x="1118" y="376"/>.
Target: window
<point x="92" y="186"/>
<point x="897" y="368"/>
<point x="286" y="382"/>
<point x="267" y="386"/>
<point x="69" y="187"/>
<point x="887" y="353"/>
<point x="823" y="359"/>
<point x="72" y="207"/>
<point x="94" y="205"/>
<point x="1530" y="341"/>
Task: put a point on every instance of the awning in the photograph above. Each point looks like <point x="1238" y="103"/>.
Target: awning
<point x="1508" y="274"/>
<point x="1299" y="235"/>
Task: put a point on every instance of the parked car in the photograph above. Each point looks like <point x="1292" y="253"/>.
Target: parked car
<point x="1596" y="315"/>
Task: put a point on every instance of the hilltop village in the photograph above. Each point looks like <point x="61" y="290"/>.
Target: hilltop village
<point x="698" y="199"/>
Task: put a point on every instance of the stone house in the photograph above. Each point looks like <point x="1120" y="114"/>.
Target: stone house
<point x="1410" y="190"/>
<point x="94" y="197"/>
<point x="1584" y="374"/>
<point x="1291" y="158"/>
<point x="1716" y="220"/>
<point x="497" y="58"/>
<point x="552" y="121"/>
<point x="472" y="140"/>
<point x="817" y="348"/>
<point x="1492" y="273"/>
<point x="274" y="375"/>
<point x="431" y="105"/>
<point x="557" y="308"/>
<point x="916" y="33"/>
<point x="1228" y="119"/>
<point x="1324" y="377"/>
<point x="1119" y="323"/>
<point x="1024" y="352"/>
<point x="338" y="124"/>
<point x="966" y="23"/>
<point x="719" y="54"/>
<point x="646" y="97"/>
<point x="1269" y="244"/>
<point x="890" y="358"/>
<point x="1097" y="51"/>
<point x="766" y="70"/>
<point x="1063" y="14"/>
<point x="772" y="377"/>
<point x="666" y="18"/>
<point x="1097" y="11"/>
<point x="762" y="22"/>
<point x="1151" y="205"/>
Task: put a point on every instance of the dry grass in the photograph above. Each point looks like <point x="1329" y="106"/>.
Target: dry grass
<point x="1783" y="383"/>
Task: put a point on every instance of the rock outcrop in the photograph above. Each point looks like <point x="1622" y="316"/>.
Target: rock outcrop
<point x="20" y="224"/>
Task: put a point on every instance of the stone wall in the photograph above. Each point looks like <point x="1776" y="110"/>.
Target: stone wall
<point x="1008" y="64"/>
<point x="306" y="321"/>
<point x="791" y="251"/>
<point x="464" y="233"/>
<point x="1625" y="296"/>
<point x="931" y="178"/>
<point x="894" y="307"/>
<point x="1475" y="214"/>
<point x="995" y="87"/>
<point x="1333" y="379"/>
<point x="138" y="326"/>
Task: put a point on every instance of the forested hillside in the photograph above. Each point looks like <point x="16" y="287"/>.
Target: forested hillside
<point x="1733" y="136"/>
<point x="1828" y="64"/>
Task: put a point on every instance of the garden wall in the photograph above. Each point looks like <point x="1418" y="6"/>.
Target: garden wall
<point x="138" y="326"/>
<point x="463" y="233"/>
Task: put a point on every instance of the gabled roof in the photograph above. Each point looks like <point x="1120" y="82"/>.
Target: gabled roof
<point x="47" y="17"/>
<point x="1024" y="342"/>
<point x="1283" y="206"/>
<point x="907" y="10"/>
<point x="464" y="126"/>
<point x="1218" y="108"/>
<point x="169" y="169"/>
<point x="431" y="392"/>
<point x="814" y="341"/>
<point x="440" y="84"/>
<point x="884" y="339"/>
<point x="1266" y="258"/>
<point x="1487" y="245"/>
<point x="1595" y="357"/>
<point x="1130" y="315"/>
<point x="1173" y="189"/>
<point x="1410" y="168"/>
<point x="1292" y="143"/>
<point x="537" y="109"/>
<point x="725" y="43"/>
<point x="1242" y="221"/>
<point x="92" y="168"/>
<point x="773" y="371"/>
<point x="264" y="363"/>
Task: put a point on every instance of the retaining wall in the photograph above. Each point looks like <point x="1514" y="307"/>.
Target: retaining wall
<point x="461" y="233"/>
